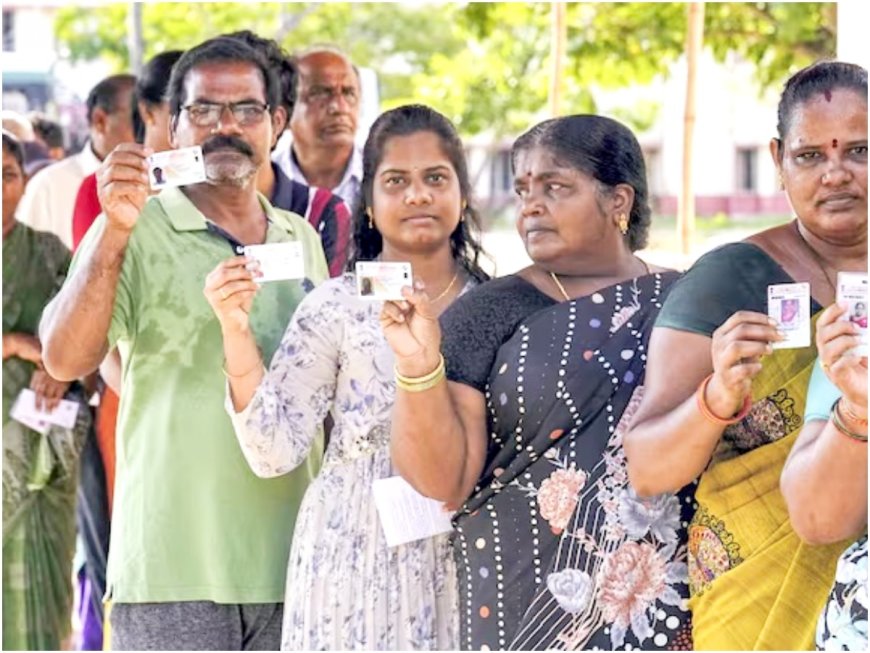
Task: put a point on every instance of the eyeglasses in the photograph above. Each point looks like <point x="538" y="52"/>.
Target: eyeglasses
<point x="326" y="94"/>
<point x="208" y="114"/>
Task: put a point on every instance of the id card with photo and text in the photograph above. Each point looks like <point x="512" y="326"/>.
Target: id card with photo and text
<point x="180" y="167"/>
<point x="382" y="281"/>
<point x="789" y="305"/>
<point x="852" y="289"/>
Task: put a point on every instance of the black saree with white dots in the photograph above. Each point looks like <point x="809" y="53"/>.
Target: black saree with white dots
<point x="554" y="550"/>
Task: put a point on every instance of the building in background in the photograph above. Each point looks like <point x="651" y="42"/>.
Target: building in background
<point x="734" y="174"/>
<point x="37" y="77"/>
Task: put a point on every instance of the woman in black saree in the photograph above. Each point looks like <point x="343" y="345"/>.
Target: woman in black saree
<point x="544" y="369"/>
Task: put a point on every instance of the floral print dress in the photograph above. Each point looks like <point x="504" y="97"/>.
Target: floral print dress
<point x="345" y="588"/>
<point x="554" y="549"/>
<point x="843" y="623"/>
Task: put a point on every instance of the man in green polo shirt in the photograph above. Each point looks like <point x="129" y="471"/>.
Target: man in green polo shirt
<point x="199" y="544"/>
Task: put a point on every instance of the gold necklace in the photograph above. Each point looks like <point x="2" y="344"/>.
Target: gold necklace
<point x="559" y="284"/>
<point x="562" y="288"/>
<point x="447" y="289"/>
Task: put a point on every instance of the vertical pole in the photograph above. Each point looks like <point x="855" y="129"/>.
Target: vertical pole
<point x="134" y="37"/>
<point x="557" y="56"/>
<point x="694" y="46"/>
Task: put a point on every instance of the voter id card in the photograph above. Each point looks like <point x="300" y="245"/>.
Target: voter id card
<point x="382" y="281"/>
<point x="278" y="261"/>
<point x="789" y="305"/>
<point x="852" y="290"/>
<point x="179" y="167"/>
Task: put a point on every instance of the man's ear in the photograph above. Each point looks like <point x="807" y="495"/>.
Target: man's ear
<point x="279" y="124"/>
<point x="173" y="123"/>
<point x="98" y="120"/>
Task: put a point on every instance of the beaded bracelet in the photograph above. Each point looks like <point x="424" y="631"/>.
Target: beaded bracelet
<point x="421" y="383"/>
<point x="837" y="420"/>
<point x="710" y="416"/>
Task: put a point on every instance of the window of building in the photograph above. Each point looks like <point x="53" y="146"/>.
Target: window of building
<point x="8" y="31"/>
<point x="501" y="180"/>
<point x="747" y="170"/>
<point x="654" y="174"/>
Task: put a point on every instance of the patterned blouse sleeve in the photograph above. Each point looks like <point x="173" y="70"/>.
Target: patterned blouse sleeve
<point x="278" y="427"/>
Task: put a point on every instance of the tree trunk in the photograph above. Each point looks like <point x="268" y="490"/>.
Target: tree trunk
<point x="557" y="56"/>
<point x="694" y="47"/>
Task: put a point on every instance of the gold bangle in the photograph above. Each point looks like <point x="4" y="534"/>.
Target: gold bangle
<point x="421" y="383"/>
<point x="849" y="414"/>
<point x="837" y="420"/>
<point x="426" y="378"/>
<point x="420" y="387"/>
<point x="259" y="365"/>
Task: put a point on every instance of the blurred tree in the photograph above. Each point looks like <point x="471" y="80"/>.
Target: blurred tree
<point x="483" y="64"/>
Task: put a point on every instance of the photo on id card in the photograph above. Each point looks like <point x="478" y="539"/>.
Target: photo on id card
<point x="180" y="167"/>
<point x="789" y="305"/>
<point x="382" y="281"/>
<point x="852" y="290"/>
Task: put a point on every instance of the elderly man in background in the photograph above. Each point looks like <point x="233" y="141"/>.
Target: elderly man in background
<point x="48" y="202"/>
<point x="324" y="124"/>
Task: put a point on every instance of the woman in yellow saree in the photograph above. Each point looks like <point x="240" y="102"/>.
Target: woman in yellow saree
<point x="720" y="399"/>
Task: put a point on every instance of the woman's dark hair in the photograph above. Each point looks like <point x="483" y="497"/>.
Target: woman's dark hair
<point x="412" y="119"/>
<point x="224" y="50"/>
<point x="13" y="147"/>
<point x="151" y="87"/>
<point x="602" y="148"/>
<point x="280" y="62"/>
<point x="822" y="77"/>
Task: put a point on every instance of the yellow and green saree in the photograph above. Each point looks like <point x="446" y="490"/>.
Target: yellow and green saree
<point x="754" y="585"/>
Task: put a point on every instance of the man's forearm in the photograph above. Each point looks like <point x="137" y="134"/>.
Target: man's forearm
<point x="75" y="325"/>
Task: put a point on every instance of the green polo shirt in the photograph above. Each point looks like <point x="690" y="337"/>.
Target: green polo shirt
<point x="191" y="521"/>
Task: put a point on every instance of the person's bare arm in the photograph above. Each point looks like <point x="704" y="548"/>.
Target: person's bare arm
<point x="230" y="290"/>
<point x="824" y="480"/>
<point x="75" y="325"/>
<point x="24" y="346"/>
<point x="670" y="442"/>
<point x="438" y="438"/>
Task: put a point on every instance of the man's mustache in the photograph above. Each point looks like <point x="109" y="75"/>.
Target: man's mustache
<point x="222" y="141"/>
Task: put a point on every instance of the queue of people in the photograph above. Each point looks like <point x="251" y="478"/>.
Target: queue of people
<point x="629" y="458"/>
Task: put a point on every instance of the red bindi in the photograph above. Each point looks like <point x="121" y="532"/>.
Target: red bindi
<point x="828" y="95"/>
<point x="834" y="143"/>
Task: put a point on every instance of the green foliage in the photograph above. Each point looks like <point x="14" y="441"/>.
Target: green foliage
<point x="486" y="65"/>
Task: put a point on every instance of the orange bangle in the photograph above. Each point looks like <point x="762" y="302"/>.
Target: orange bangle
<point x="708" y="414"/>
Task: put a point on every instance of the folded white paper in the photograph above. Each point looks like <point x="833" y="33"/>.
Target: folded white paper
<point x="24" y="410"/>
<point x="406" y="515"/>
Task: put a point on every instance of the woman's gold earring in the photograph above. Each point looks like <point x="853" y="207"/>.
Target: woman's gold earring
<point x="462" y="211"/>
<point x="781" y="182"/>
<point x="622" y="223"/>
<point x="371" y="221"/>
